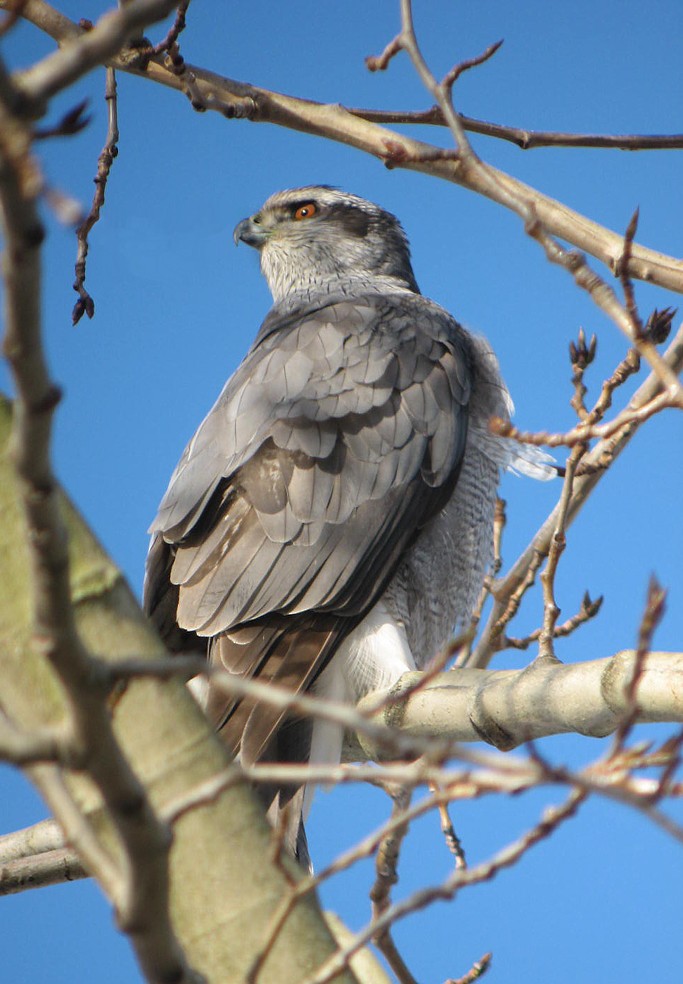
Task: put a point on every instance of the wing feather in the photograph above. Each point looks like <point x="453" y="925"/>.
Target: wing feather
<point x="337" y="439"/>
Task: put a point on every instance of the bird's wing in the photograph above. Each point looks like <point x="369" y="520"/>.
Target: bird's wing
<point x="336" y="440"/>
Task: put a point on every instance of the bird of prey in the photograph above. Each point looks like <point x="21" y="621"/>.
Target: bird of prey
<point x="330" y="522"/>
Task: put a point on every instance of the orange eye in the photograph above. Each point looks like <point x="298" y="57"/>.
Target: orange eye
<point x="305" y="211"/>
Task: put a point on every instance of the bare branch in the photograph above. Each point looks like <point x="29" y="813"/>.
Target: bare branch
<point x="14" y="12"/>
<point x="71" y="123"/>
<point x="238" y="100"/>
<point x="178" y="26"/>
<point x="478" y="969"/>
<point x="27" y="748"/>
<point x="452" y="77"/>
<point x="491" y="773"/>
<point x="582" y="355"/>
<point x="169" y="760"/>
<point x="625" y="277"/>
<point x="48" y="868"/>
<point x="602" y="295"/>
<point x="85" y="303"/>
<point x="386" y="876"/>
<point x="95" y="46"/>
<point x="523" y="138"/>
<point x="41" y="838"/>
<point x="141" y="896"/>
<point x="503" y="707"/>
<point x="509" y="590"/>
<point x="379" y="63"/>
<point x="550" y="821"/>
<point x="488" y="182"/>
<point x="587" y="432"/>
<point x="508" y="707"/>
<point x="588" y="610"/>
<point x="558" y="542"/>
<point x="652" y="616"/>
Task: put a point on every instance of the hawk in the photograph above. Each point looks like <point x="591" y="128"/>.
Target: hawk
<point x="330" y="522"/>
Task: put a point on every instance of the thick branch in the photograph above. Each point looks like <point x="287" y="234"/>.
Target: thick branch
<point x="83" y="51"/>
<point x="508" y="707"/>
<point x="140" y="893"/>
<point x="171" y="746"/>
<point x="502" y="707"/>
<point x="41" y="838"/>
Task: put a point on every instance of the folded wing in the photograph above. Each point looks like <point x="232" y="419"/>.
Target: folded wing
<point x="334" y="443"/>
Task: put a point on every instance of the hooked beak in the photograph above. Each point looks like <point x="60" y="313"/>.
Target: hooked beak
<point x="251" y="232"/>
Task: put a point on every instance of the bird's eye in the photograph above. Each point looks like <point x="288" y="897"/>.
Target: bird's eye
<point x="305" y="211"/>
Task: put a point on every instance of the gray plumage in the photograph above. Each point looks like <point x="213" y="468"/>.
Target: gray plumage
<point x="331" y="520"/>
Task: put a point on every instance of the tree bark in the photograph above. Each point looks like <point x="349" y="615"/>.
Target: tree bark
<point x="224" y="887"/>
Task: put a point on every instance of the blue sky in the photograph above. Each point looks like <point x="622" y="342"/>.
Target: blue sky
<point x="177" y="306"/>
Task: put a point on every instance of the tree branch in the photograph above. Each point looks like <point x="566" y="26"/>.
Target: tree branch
<point x="139" y="888"/>
<point x="478" y="175"/>
<point x="549" y="822"/>
<point x="508" y="707"/>
<point x="39" y="871"/>
<point x="520" y="136"/>
<point x="239" y="100"/>
<point x="83" y="51"/>
<point x="173" y="750"/>
<point x="85" y="303"/>
<point x="509" y="589"/>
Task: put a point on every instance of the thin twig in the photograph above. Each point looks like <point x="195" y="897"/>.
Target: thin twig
<point x="454" y="74"/>
<point x="604" y="297"/>
<point x="587" y="432"/>
<point x="85" y="303"/>
<point x="386" y="876"/>
<point x="582" y="355"/>
<point x="611" y="777"/>
<point x="478" y="969"/>
<point x="508" y="591"/>
<point x="15" y="9"/>
<point x="558" y="542"/>
<point x="453" y="842"/>
<point x="74" y="121"/>
<point x="175" y="30"/>
<point x="652" y="616"/>
<point x="499" y="521"/>
<point x="588" y="610"/>
<point x="657" y="329"/>
<point x="505" y="858"/>
<point x="624" y="276"/>
<point x="524" y="138"/>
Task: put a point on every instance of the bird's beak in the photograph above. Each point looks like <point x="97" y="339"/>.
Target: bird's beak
<point x="251" y="232"/>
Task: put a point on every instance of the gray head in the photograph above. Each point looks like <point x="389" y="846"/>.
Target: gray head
<point x="316" y="237"/>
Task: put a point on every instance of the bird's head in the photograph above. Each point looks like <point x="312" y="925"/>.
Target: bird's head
<point x="316" y="238"/>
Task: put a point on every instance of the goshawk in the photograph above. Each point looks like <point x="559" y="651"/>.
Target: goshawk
<point x="330" y="522"/>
